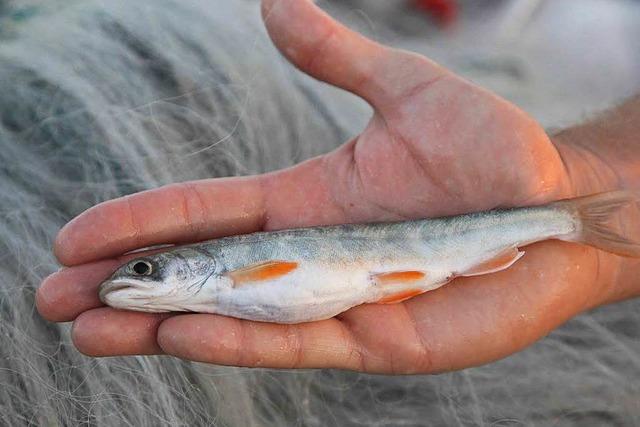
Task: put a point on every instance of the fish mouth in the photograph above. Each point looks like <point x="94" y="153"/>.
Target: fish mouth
<point x="109" y="287"/>
<point x="122" y="295"/>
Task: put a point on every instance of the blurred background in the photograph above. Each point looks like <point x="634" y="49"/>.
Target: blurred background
<point x="557" y="59"/>
<point x="101" y="98"/>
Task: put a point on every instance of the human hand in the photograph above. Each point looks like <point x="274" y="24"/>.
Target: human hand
<point x="436" y="145"/>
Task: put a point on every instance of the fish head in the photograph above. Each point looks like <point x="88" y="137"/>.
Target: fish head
<point x="169" y="281"/>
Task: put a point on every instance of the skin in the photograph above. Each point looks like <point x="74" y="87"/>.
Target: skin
<point x="436" y="145"/>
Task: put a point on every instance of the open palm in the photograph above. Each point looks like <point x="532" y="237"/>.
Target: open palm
<point x="436" y="145"/>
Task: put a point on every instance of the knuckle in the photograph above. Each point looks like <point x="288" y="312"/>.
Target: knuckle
<point x="317" y="51"/>
<point x="193" y="207"/>
<point x="354" y="352"/>
<point x="295" y="346"/>
<point x="134" y="220"/>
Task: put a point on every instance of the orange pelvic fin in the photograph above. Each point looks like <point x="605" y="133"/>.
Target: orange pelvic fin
<point x="400" y="279"/>
<point x="502" y="261"/>
<point x="262" y="272"/>
<point x="400" y="296"/>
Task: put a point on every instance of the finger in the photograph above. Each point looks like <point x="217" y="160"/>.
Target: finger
<point x="178" y="212"/>
<point x="108" y="332"/>
<point x="228" y="341"/>
<point x="67" y="293"/>
<point x="328" y="51"/>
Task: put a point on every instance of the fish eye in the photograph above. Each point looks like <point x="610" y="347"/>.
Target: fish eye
<point x="142" y="268"/>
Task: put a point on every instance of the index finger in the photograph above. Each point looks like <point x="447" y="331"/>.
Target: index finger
<point x="199" y="210"/>
<point x="170" y="214"/>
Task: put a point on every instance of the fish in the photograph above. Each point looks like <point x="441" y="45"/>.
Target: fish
<point x="309" y="274"/>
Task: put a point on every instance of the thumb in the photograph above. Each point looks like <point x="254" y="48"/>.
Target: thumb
<point x="325" y="49"/>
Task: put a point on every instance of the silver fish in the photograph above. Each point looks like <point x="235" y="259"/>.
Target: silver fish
<point x="308" y="274"/>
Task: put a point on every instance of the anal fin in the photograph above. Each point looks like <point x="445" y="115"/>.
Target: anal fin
<point x="500" y="262"/>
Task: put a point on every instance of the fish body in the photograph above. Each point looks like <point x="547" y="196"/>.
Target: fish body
<point x="308" y="274"/>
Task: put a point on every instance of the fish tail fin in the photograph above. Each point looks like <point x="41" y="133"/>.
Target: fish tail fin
<point x="595" y="215"/>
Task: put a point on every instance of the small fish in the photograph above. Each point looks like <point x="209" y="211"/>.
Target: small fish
<point x="308" y="274"/>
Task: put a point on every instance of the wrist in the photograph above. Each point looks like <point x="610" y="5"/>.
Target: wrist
<point x="595" y="164"/>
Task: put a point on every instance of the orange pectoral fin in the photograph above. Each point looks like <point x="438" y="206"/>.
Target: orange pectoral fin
<point x="398" y="277"/>
<point x="504" y="260"/>
<point x="262" y="272"/>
